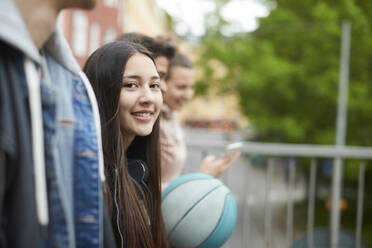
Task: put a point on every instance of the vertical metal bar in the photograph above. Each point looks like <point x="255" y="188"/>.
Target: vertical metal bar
<point x="204" y="153"/>
<point x="246" y="211"/>
<point x="269" y="177"/>
<point x="359" y="221"/>
<point x="290" y="200"/>
<point x="311" y="204"/>
<point x="335" y="203"/>
<point x="340" y="131"/>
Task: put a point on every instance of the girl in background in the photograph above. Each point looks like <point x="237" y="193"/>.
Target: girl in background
<point x="127" y="87"/>
<point x="180" y="89"/>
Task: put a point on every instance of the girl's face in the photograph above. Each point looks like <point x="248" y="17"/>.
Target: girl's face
<point x="140" y="97"/>
<point x="180" y="87"/>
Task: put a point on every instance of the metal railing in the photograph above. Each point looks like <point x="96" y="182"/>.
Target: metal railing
<point x="273" y="151"/>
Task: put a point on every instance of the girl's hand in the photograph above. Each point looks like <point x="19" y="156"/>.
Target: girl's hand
<point x="216" y="167"/>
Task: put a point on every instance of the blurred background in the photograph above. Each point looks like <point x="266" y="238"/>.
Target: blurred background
<point x="287" y="72"/>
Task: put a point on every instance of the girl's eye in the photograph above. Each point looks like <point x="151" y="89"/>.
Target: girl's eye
<point x="155" y="85"/>
<point x="130" y="85"/>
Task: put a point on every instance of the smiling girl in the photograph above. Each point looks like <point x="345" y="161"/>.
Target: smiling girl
<point x="127" y="87"/>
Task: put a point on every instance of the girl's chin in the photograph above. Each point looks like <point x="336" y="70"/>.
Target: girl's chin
<point x="143" y="133"/>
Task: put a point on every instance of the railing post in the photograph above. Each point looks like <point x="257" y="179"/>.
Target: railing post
<point x="359" y="217"/>
<point x="335" y="203"/>
<point x="246" y="211"/>
<point x="311" y="206"/>
<point x="290" y="200"/>
<point x="269" y="177"/>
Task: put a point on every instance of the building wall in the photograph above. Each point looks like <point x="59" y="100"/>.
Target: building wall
<point x="144" y="16"/>
<point x="85" y="31"/>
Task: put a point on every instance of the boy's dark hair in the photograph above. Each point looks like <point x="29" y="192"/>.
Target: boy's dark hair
<point x="179" y="60"/>
<point x="158" y="47"/>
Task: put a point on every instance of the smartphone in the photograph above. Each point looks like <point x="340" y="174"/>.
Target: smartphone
<point x="233" y="147"/>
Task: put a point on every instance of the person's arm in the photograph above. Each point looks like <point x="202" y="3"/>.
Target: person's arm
<point x="167" y="157"/>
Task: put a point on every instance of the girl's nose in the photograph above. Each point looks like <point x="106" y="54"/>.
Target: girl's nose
<point x="146" y="96"/>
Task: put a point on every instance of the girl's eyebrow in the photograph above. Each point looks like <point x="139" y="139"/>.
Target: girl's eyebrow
<point x="139" y="78"/>
<point x="132" y="77"/>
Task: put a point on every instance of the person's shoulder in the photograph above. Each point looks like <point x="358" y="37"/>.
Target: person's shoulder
<point x="58" y="48"/>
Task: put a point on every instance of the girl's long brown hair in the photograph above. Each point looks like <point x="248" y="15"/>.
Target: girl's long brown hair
<point x="104" y="69"/>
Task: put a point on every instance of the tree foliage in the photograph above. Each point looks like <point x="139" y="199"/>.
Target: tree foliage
<point x="286" y="72"/>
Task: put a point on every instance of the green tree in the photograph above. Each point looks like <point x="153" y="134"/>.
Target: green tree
<point x="286" y="72"/>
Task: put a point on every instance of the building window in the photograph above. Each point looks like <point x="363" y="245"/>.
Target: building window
<point x="109" y="35"/>
<point x="79" y="33"/>
<point x="95" y="35"/>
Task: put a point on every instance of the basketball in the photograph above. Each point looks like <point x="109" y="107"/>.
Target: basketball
<point x="199" y="211"/>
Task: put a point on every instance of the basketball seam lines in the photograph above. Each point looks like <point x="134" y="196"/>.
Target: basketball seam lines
<point x="167" y="193"/>
<point x="188" y="211"/>
<point x="218" y="223"/>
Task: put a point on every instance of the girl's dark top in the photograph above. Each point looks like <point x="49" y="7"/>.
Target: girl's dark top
<point x="140" y="172"/>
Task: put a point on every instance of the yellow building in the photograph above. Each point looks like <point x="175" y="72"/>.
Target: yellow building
<point x="144" y="16"/>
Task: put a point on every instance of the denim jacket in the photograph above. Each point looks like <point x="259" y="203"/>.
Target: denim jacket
<point x="73" y="150"/>
<point x="72" y="159"/>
